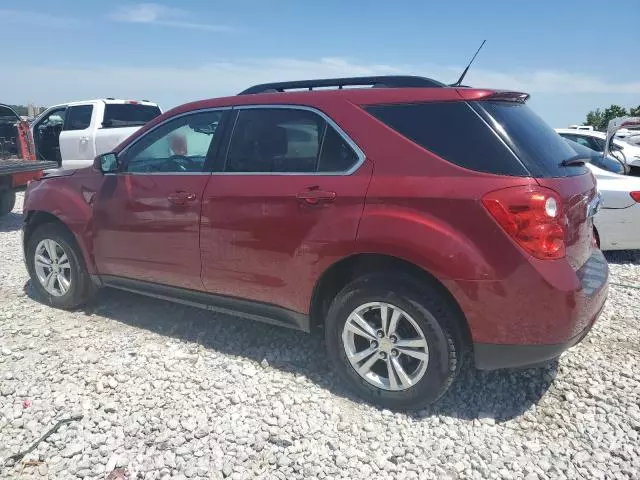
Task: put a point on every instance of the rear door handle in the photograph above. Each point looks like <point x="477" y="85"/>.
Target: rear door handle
<point x="181" y="198"/>
<point x="316" y="197"/>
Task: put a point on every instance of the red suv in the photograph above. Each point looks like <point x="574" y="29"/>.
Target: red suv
<point x="414" y="222"/>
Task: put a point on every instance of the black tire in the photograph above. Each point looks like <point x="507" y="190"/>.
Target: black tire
<point x="7" y="201"/>
<point x="81" y="288"/>
<point x="435" y="317"/>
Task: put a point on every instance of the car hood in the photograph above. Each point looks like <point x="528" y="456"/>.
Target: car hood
<point x="57" y="172"/>
<point x="68" y="172"/>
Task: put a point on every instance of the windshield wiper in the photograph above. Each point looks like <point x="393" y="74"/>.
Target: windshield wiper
<point x="573" y="161"/>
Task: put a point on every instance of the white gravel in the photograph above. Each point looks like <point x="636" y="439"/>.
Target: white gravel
<point x="168" y="391"/>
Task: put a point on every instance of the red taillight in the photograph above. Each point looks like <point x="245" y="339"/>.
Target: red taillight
<point x="635" y="196"/>
<point x="532" y="216"/>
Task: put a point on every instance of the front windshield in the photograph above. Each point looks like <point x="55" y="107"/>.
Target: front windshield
<point x="7" y="114"/>
<point x="609" y="164"/>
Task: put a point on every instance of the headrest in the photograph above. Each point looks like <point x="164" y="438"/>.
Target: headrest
<point x="273" y="141"/>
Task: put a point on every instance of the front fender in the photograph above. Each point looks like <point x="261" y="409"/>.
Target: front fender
<point x="68" y="202"/>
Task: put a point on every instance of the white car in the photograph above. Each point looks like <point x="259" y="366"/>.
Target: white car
<point x="596" y="141"/>
<point x="618" y="221"/>
<point x="629" y="136"/>
<point x="73" y="134"/>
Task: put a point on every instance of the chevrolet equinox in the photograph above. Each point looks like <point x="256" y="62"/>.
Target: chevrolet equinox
<point x="413" y="222"/>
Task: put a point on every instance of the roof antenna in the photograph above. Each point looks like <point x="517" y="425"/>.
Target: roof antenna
<point x="459" y="82"/>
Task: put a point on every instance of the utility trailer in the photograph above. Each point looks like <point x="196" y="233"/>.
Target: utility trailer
<point x="18" y="163"/>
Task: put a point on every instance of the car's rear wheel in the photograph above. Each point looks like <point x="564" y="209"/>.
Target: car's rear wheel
<point x="7" y="201"/>
<point x="56" y="267"/>
<point x="393" y="341"/>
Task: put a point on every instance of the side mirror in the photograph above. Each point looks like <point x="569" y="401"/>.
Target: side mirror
<point x="106" y="163"/>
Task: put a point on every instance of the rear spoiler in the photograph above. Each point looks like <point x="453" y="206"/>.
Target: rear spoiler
<point x="615" y="125"/>
<point x="495" y="95"/>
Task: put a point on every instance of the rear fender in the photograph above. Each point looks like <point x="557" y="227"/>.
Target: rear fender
<point x="437" y="246"/>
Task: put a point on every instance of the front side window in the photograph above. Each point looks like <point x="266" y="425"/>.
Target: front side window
<point x="282" y="140"/>
<point x="54" y="118"/>
<point x="78" y="117"/>
<point x="180" y="145"/>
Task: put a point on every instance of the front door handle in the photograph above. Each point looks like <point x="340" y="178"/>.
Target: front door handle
<point x="181" y="198"/>
<point x="316" y="197"/>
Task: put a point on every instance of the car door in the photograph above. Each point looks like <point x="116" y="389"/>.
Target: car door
<point x="46" y="134"/>
<point x="77" y="143"/>
<point x="147" y="218"/>
<point x="285" y="205"/>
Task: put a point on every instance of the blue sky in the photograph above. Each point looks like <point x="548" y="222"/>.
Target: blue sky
<point x="173" y="52"/>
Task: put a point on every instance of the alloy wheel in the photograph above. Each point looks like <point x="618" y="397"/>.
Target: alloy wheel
<point x="52" y="267"/>
<point x="385" y="346"/>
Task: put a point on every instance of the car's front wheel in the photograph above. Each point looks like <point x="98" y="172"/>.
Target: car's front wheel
<point x="393" y="341"/>
<point x="56" y="267"/>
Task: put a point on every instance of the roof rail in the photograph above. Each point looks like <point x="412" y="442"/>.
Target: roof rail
<point x="385" y="81"/>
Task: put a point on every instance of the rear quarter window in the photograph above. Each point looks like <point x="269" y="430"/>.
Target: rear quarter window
<point x="128" y="114"/>
<point x="454" y="132"/>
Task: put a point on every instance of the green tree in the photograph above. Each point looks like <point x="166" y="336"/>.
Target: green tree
<point x="635" y="112"/>
<point x="595" y="118"/>
<point x="600" y="119"/>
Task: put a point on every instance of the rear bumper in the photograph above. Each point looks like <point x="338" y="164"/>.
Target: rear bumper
<point x="535" y="314"/>
<point x="490" y="356"/>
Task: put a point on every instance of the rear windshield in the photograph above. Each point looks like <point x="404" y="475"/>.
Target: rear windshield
<point x="128" y="114"/>
<point x="537" y="145"/>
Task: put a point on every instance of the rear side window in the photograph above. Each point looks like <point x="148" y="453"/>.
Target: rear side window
<point x="78" y="117"/>
<point x="453" y="131"/>
<point x="537" y="145"/>
<point x="128" y="114"/>
<point x="337" y="155"/>
<point x="282" y="140"/>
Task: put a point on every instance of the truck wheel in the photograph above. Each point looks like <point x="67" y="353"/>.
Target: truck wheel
<point x="57" y="268"/>
<point x="7" y="201"/>
<point x="393" y="341"/>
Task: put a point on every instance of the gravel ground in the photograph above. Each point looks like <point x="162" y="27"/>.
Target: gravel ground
<point x="167" y="391"/>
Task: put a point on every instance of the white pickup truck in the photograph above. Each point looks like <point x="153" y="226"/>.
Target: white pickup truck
<point x="73" y="134"/>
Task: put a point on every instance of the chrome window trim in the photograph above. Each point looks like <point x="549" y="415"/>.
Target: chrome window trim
<point x="161" y="173"/>
<point x="359" y="153"/>
<point x="161" y="124"/>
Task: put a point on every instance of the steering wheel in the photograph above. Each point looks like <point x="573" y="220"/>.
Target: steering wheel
<point x="179" y="160"/>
